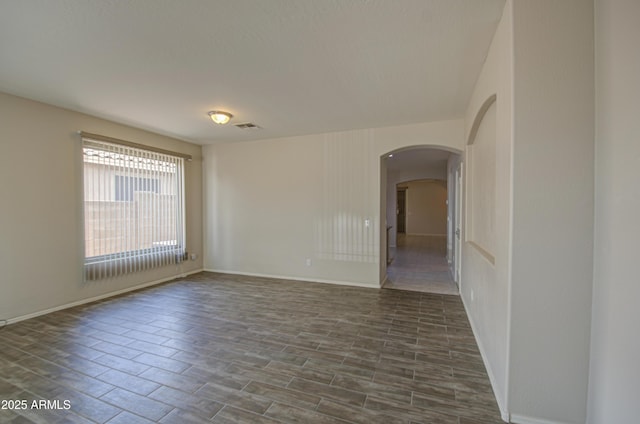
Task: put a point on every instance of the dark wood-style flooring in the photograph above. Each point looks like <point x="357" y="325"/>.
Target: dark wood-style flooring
<point x="231" y="349"/>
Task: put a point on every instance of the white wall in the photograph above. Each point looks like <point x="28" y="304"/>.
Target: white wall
<point x="41" y="220"/>
<point x="553" y="173"/>
<point x="481" y="184"/>
<point x="484" y="285"/>
<point x="615" y="340"/>
<point x="396" y="177"/>
<point x="426" y="207"/>
<point x="531" y="308"/>
<point x="273" y="204"/>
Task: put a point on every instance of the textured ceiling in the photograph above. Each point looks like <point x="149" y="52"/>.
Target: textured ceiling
<point x="290" y="66"/>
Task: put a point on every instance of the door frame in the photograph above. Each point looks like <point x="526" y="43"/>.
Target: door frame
<point x="385" y="219"/>
<point x="457" y="216"/>
<point x="404" y="226"/>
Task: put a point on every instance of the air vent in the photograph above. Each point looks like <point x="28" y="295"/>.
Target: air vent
<point x="247" y="126"/>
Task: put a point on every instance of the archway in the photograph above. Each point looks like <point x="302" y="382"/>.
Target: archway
<point x="421" y="169"/>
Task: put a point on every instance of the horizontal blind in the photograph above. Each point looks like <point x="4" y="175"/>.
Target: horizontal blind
<point x="133" y="209"/>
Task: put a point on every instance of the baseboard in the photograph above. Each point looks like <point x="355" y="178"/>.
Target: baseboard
<point x="523" y="419"/>
<point x="504" y="413"/>
<point x="293" y="278"/>
<point x="96" y="298"/>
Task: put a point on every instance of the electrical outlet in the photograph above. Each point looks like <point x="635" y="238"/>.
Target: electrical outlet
<point x="193" y="256"/>
<point x="472" y="297"/>
<point x="308" y="261"/>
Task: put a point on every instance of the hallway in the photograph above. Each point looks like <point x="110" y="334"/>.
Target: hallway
<point x="419" y="264"/>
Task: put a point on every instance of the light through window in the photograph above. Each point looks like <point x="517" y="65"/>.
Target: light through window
<point x="133" y="209"/>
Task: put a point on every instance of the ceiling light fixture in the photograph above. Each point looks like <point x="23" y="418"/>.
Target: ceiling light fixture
<point x="220" y="117"/>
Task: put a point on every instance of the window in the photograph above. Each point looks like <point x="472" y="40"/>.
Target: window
<point x="126" y="186"/>
<point x="133" y="209"/>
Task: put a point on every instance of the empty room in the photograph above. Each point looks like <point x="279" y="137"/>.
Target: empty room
<point x="319" y="211"/>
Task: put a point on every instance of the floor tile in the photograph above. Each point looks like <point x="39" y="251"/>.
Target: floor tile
<point x="139" y="405"/>
<point x="235" y="349"/>
<point x="231" y="415"/>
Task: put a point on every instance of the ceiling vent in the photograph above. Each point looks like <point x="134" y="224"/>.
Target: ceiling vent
<point x="247" y="126"/>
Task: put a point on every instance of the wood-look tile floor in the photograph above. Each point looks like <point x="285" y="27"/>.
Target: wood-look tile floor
<point x="229" y="349"/>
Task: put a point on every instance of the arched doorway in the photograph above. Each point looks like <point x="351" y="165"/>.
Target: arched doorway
<point x="421" y="197"/>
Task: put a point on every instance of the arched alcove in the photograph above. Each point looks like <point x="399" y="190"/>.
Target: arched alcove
<point x="481" y="181"/>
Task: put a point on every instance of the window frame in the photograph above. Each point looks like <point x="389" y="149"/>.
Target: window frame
<point x="115" y="264"/>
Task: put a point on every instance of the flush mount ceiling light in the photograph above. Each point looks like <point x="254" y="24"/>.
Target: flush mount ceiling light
<point x="220" y="117"/>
